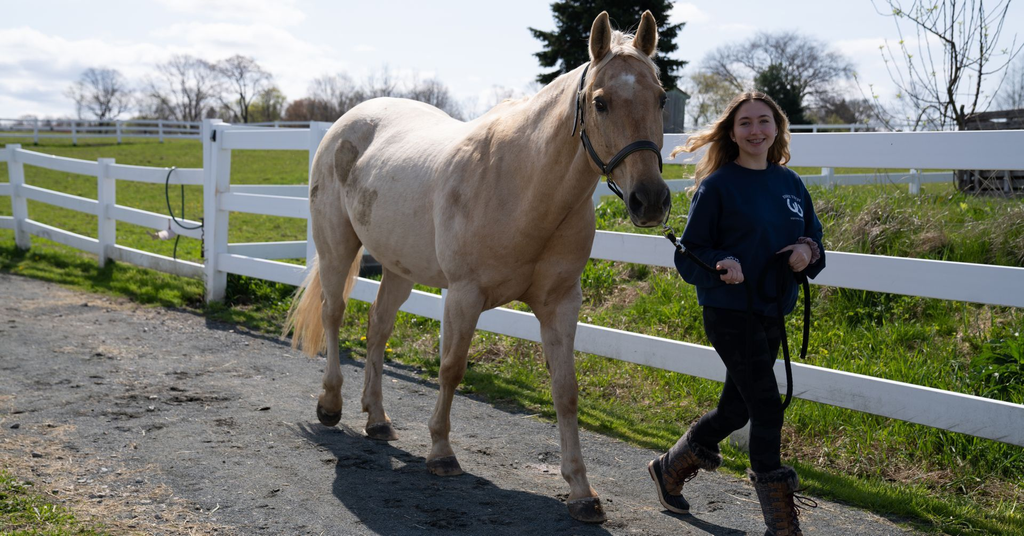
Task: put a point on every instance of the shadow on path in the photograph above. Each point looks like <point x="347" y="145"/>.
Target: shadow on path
<point x="391" y="493"/>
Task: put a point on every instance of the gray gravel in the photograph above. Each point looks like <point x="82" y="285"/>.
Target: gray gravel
<point x="222" y="421"/>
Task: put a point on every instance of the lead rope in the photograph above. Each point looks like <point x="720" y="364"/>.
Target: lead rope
<point x="780" y="260"/>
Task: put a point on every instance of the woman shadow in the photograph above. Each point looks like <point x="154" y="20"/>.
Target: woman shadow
<point x="391" y="493"/>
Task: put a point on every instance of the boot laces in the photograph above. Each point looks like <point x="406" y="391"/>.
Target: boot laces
<point x="801" y="502"/>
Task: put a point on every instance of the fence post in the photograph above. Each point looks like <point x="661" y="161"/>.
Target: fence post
<point x="19" y="205"/>
<point x="915" y="182"/>
<point x="160" y="129"/>
<point x="830" y="177"/>
<point x="35" y="132"/>
<point x="117" y="127"/>
<point x="107" y="197"/>
<point x="74" y="133"/>
<point x="216" y="180"/>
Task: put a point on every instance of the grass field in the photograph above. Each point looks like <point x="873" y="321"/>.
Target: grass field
<point x="936" y="480"/>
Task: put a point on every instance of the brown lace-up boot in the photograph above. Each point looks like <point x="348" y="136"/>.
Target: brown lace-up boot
<point x="678" y="466"/>
<point x="776" y="491"/>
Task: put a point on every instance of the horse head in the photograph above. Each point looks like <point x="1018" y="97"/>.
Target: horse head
<point x="619" y="105"/>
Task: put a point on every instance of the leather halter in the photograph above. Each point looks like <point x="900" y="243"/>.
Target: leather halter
<point x="606" y="169"/>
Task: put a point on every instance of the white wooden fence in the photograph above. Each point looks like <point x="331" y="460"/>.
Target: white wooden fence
<point x="85" y="128"/>
<point x="995" y="285"/>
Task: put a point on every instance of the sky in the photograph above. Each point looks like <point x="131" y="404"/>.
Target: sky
<point x="472" y="46"/>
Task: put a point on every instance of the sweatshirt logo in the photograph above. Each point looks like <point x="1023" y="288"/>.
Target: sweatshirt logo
<point x="794" y="205"/>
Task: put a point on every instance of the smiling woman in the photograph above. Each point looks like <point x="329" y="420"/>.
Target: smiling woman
<point x="751" y="218"/>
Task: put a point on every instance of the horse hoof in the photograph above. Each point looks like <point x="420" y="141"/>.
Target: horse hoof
<point x="382" y="431"/>
<point x="587" y="510"/>
<point x="327" y="419"/>
<point x="444" y="466"/>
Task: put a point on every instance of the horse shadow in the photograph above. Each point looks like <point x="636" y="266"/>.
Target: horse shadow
<point x="390" y="492"/>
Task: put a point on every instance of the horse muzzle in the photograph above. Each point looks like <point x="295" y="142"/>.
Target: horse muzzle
<point x="649" y="204"/>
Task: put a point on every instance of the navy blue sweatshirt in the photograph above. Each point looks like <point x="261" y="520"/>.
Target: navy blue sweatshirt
<point x="749" y="215"/>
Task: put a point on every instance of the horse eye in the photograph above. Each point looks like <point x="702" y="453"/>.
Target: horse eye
<point x="600" y="105"/>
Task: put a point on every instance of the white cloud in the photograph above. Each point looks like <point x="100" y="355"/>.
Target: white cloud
<point x="688" y="13"/>
<point x="363" y="48"/>
<point x="270" y="11"/>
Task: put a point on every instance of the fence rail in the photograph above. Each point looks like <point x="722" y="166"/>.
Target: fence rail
<point x="995" y="285"/>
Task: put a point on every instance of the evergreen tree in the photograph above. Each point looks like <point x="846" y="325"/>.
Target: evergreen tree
<point x="566" y="47"/>
<point x="773" y="82"/>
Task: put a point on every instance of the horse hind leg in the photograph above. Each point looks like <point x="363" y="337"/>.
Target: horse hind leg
<point x="335" y="288"/>
<point x="393" y="292"/>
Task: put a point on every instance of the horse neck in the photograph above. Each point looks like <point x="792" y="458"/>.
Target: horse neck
<point x="558" y="175"/>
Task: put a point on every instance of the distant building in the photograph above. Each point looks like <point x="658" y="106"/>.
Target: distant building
<point x="675" y="111"/>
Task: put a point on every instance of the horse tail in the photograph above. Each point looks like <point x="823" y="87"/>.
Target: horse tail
<point x="305" y="314"/>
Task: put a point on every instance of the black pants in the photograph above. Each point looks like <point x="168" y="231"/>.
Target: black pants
<point x="750" y="391"/>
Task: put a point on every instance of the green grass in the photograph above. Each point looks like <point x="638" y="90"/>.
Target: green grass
<point x="24" y="512"/>
<point x="936" y="480"/>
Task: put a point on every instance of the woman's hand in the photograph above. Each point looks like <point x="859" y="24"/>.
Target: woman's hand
<point x="800" y="256"/>
<point x="734" y="274"/>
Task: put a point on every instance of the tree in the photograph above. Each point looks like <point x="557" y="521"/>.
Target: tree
<point x="380" y="83"/>
<point x="245" y="80"/>
<point x="565" y="47"/>
<point x="1011" y="94"/>
<point x="267" y="106"/>
<point x="709" y="96"/>
<point x="942" y="88"/>
<point x="184" y="89"/>
<point x="298" y="110"/>
<point x="775" y="83"/>
<point x="435" y="93"/>
<point x="330" y="96"/>
<point x="801" y="64"/>
<point x="835" y="109"/>
<point x="104" y="93"/>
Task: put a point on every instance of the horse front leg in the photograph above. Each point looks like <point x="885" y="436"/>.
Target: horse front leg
<point x="558" y="317"/>
<point x="461" y="311"/>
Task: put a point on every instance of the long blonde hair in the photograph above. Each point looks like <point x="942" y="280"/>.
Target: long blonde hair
<point x="721" y="148"/>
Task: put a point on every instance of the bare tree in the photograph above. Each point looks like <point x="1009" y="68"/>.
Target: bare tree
<point x="104" y="93"/>
<point x="435" y="93"/>
<point x="184" y="89"/>
<point x="245" y="79"/>
<point x="330" y="96"/>
<point x="381" y="84"/>
<point x="938" y="90"/>
<point x="806" y="65"/>
<point x="1011" y="94"/>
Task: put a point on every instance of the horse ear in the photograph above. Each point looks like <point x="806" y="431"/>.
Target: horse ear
<point x="646" y="39"/>
<point x="600" y="38"/>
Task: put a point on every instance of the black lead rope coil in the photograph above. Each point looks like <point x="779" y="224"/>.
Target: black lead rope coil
<point x="781" y="260"/>
<point x="167" y="197"/>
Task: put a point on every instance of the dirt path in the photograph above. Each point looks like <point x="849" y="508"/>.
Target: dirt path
<point x="161" y="422"/>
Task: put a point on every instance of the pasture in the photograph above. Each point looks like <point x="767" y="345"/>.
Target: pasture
<point x="952" y="482"/>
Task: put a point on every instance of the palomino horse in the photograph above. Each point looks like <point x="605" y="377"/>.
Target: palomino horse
<point x="495" y="210"/>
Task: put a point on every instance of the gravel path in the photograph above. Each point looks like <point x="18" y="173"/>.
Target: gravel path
<point x="160" y="421"/>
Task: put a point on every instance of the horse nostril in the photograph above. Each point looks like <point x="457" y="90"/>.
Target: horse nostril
<point x="666" y="201"/>
<point x="636" y="206"/>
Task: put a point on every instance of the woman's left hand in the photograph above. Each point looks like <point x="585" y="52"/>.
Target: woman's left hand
<point x="800" y="256"/>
